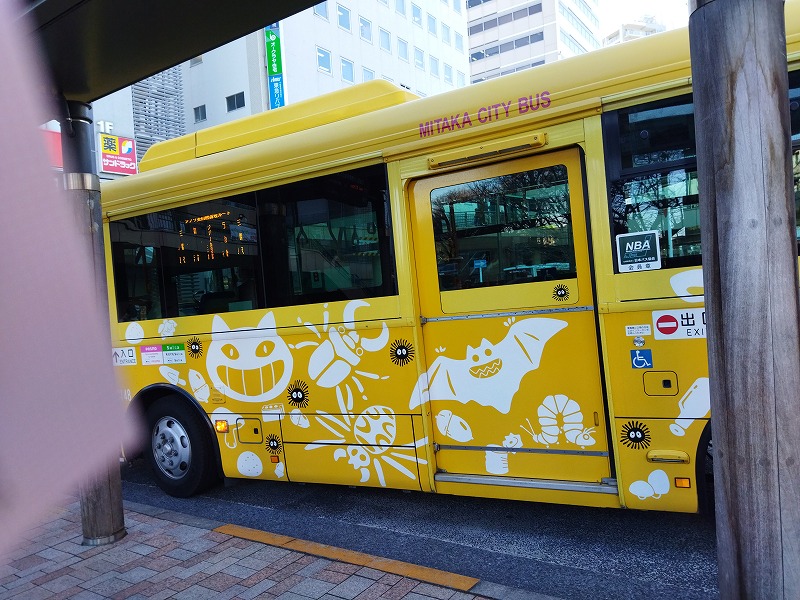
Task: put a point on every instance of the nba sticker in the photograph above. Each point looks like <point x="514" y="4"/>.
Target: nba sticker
<point x="638" y="251"/>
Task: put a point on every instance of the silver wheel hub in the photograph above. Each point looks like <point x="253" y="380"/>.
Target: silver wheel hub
<point x="171" y="447"/>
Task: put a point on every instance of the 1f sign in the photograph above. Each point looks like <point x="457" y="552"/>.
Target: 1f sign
<point x="638" y="251"/>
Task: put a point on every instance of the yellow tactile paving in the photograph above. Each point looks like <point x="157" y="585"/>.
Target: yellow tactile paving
<point x="404" y="569"/>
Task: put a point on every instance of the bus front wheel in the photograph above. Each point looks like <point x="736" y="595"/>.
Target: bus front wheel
<point x="179" y="451"/>
<point x="705" y="472"/>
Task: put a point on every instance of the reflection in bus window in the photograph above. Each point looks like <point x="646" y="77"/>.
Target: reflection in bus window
<point x="504" y="230"/>
<point x="331" y="235"/>
<point x="796" y="179"/>
<point x="665" y="202"/>
<point x="197" y="259"/>
<point x="652" y="176"/>
<point x="320" y="240"/>
<point x="794" y="113"/>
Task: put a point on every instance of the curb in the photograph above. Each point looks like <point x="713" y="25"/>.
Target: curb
<point x="438" y="577"/>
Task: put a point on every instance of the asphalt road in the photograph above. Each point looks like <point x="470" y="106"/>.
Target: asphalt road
<point x="562" y="551"/>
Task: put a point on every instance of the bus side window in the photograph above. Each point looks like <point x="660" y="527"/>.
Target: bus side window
<point x="320" y="240"/>
<point x="504" y="230"/>
<point x="328" y="238"/>
<point x="138" y="283"/>
<point x="794" y="112"/>
<point x="186" y="261"/>
<point x="651" y="167"/>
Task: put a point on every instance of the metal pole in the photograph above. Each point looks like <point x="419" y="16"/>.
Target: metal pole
<point x="101" y="498"/>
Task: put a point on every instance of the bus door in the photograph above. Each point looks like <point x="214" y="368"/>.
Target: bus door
<point x="509" y="327"/>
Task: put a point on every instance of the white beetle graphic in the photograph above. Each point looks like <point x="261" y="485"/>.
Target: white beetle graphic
<point x="335" y="359"/>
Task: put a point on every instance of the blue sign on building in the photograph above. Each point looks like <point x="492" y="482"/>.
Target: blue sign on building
<point x="276" y="98"/>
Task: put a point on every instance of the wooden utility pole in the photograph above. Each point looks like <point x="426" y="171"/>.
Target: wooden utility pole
<point x="101" y="499"/>
<point x="740" y="82"/>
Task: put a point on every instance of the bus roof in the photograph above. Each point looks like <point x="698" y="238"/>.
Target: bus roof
<point x="336" y="106"/>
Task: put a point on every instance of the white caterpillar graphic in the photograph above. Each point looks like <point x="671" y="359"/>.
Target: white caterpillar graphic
<point x="560" y="415"/>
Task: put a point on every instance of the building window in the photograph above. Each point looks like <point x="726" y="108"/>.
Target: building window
<point x="366" y="29"/>
<point x="402" y="49"/>
<point x="434" y="62"/>
<point x="384" y="2"/>
<point x="416" y="15"/>
<point x="448" y="74"/>
<point x="457" y="5"/>
<point x="510" y="45"/>
<point x="385" y="39"/>
<point x="324" y="60"/>
<point x="461" y="79"/>
<point x="445" y="34"/>
<point x="400" y="6"/>
<point x="348" y="72"/>
<point x="197" y="60"/>
<point x="524" y="13"/>
<point x="344" y="17"/>
<point x="459" y="42"/>
<point x="199" y="113"/>
<point x="235" y="102"/>
<point x="431" y="24"/>
<point x="321" y="10"/>
<point x="367" y="74"/>
<point x="419" y="58"/>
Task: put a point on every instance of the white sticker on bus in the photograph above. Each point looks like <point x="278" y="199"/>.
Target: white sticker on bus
<point x="123" y="357"/>
<point x="634" y="330"/>
<point x="679" y="324"/>
<point x="152" y="355"/>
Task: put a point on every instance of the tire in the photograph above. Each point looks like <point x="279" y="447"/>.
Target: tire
<point x="705" y="473"/>
<point x="178" y="449"/>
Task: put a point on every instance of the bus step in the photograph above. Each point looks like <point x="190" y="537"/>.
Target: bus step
<point x="607" y="486"/>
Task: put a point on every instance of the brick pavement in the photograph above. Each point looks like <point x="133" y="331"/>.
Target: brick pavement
<point x="171" y="555"/>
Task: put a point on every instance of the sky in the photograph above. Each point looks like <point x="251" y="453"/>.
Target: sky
<point x="672" y="13"/>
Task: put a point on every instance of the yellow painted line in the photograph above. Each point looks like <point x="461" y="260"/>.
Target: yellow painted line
<point x="388" y="565"/>
<point x="255" y="535"/>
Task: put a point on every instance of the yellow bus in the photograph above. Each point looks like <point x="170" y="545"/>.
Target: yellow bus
<point x="491" y="292"/>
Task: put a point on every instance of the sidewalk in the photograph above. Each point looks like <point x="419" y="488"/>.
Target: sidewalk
<point x="171" y="555"/>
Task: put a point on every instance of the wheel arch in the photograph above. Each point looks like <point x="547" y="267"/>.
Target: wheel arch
<point x="151" y="394"/>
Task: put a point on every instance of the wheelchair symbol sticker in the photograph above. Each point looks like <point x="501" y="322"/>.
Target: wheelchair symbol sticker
<point x="642" y="359"/>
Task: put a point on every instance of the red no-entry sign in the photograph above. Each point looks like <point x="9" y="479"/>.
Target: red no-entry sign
<point x="667" y="324"/>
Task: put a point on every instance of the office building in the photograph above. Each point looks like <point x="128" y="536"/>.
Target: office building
<point x="507" y="36"/>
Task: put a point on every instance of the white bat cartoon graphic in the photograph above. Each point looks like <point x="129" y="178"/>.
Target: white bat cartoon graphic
<point x="491" y="373"/>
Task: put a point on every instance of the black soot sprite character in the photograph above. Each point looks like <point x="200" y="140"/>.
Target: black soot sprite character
<point x="274" y="445"/>
<point x="401" y="352"/>
<point x="561" y="292"/>
<point x="298" y="394"/>
<point x="635" y="435"/>
<point x="195" y="348"/>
